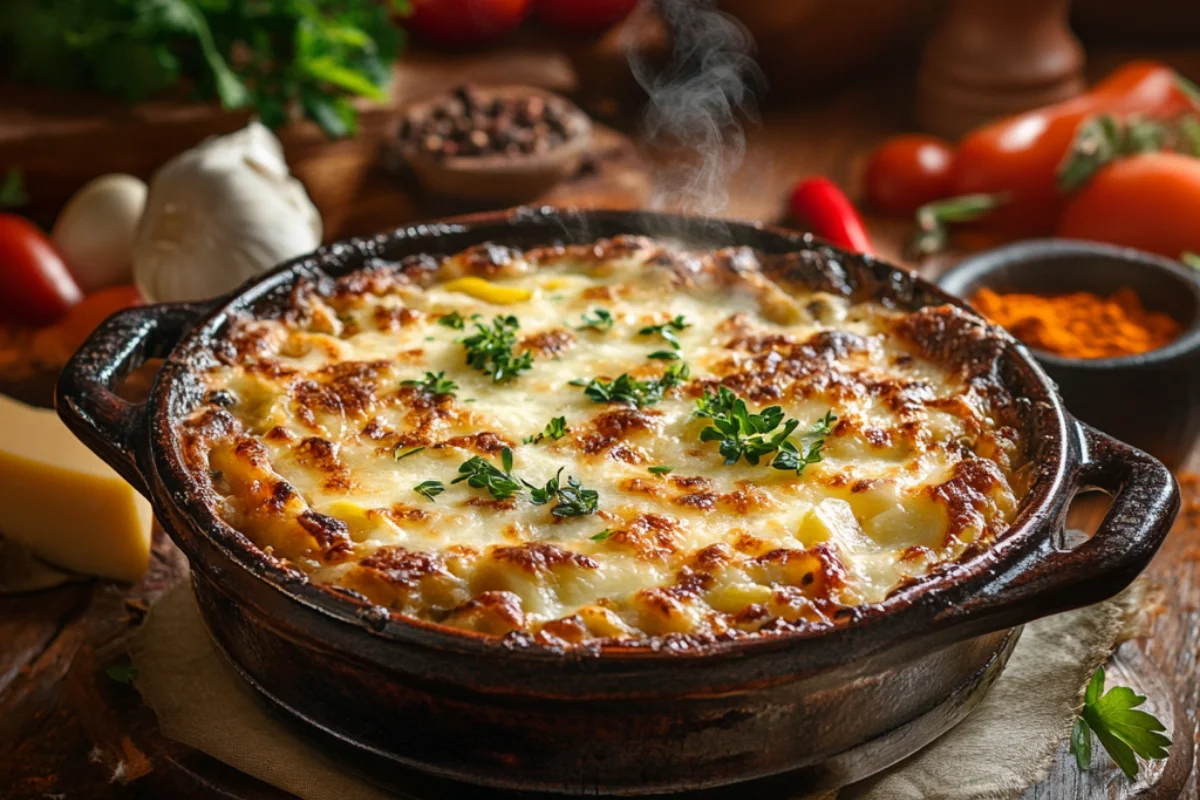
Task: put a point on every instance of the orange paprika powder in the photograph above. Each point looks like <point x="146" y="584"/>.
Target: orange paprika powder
<point x="1079" y="325"/>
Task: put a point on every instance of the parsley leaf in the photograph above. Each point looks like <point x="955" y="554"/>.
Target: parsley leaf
<point x="434" y="384"/>
<point x="627" y="389"/>
<point x="121" y="673"/>
<point x="742" y="434"/>
<point x="573" y="500"/>
<point x="1125" y="732"/>
<point x="602" y="535"/>
<point x="667" y="330"/>
<point x="597" y="319"/>
<point x="555" y="429"/>
<point x="453" y="320"/>
<point x="479" y="473"/>
<point x="664" y="469"/>
<point x="491" y="350"/>
<point x="429" y="489"/>
<point x="396" y="454"/>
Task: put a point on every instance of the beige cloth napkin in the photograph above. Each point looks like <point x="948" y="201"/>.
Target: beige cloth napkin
<point x="1004" y="747"/>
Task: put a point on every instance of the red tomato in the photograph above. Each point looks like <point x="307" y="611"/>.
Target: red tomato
<point x="583" y="16"/>
<point x="467" y="22"/>
<point x="1149" y="201"/>
<point x="1019" y="156"/>
<point x="906" y="172"/>
<point x="35" y="286"/>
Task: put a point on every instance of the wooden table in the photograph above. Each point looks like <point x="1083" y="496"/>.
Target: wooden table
<point x="60" y="735"/>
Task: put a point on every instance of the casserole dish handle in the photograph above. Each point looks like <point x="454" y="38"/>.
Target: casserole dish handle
<point x="86" y="393"/>
<point x="1145" y="502"/>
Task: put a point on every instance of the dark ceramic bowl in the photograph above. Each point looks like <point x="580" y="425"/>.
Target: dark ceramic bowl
<point x="1150" y="400"/>
<point x="806" y="709"/>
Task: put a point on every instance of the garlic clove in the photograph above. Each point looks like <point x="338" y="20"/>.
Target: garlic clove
<point x="96" y="230"/>
<point x="220" y="214"/>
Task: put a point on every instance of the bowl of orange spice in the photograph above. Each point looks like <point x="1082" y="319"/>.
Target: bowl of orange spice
<point x="1117" y="329"/>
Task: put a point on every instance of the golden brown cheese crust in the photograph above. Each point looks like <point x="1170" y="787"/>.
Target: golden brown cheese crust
<point x="301" y="433"/>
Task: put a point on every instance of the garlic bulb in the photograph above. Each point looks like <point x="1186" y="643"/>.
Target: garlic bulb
<point x="219" y="214"/>
<point x="95" y="231"/>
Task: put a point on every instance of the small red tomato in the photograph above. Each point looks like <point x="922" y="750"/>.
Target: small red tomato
<point x="906" y="172"/>
<point x="465" y="23"/>
<point x="582" y="16"/>
<point x="35" y="286"/>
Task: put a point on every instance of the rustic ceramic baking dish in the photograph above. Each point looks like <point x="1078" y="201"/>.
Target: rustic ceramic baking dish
<point x="412" y="703"/>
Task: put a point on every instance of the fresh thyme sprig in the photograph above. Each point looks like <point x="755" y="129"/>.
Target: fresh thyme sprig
<point x="573" y="499"/>
<point x="627" y="389"/>
<point x="1125" y="732"/>
<point x="555" y="429"/>
<point x="491" y="350"/>
<point x="742" y="434"/>
<point x="599" y="319"/>
<point x="479" y="473"/>
<point x="433" y="384"/>
<point x="667" y="330"/>
<point x="453" y="320"/>
<point x="429" y="489"/>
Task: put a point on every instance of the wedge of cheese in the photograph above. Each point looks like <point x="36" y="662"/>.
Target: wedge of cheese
<point x="64" y="503"/>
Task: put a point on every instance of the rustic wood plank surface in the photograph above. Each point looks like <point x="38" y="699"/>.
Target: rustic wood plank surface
<point x="65" y="729"/>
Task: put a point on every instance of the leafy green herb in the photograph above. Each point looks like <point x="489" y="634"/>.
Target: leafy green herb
<point x="742" y="434"/>
<point x="479" y="473"/>
<point x="555" y="429"/>
<point x="1191" y="259"/>
<point x="277" y="56"/>
<point x="397" y="454"/>
<point x="597" y="319"/>
<point x="453" y="320"/>
<point x="12" y="190"/>
<point x="664" y="355"/>
<point x="933" y="235"/>
<point x="664" y="469"/>
<point x="121" y="673"/>
<point x="429" y="489"/>
<point x="627" y="389"/>
<point x="602" y="535"/>
<point x="1125" y="732"/>
<point x="573" y="499"/>
<point x="434" y="384"/>
<point x="491" y="350"/>
<point x="667" y="330"/>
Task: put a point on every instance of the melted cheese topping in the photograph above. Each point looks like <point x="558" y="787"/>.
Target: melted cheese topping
<point x="300" y="433"/>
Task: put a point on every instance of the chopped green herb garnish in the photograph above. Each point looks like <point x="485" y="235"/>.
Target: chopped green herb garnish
<point x="121" y="673"/>
<point x="12" y="190"/>
<point x="573" y="500"/>
<point x="597" y="319"/>
<point x="1125" y="732"/>
<point x="602" y="535"/>
<point x="434" y="384"/>
<point x="1191" y="259"/>
<point x="453" y="320"/>
<point x="555" y="429"/>
<point x="627" y="389"/>
<point x="429" y="489"/>
<point x="667" y="330"/>
<point x="397" y="454"/>
<point x="753" y="436"/>
<point x="664" y="469"/>
<point x="491" y="350"/>
<point x="479" y="473"/>
<point x="664" y="355"/>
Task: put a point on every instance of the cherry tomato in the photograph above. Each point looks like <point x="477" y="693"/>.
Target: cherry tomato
<point x="464" y="23"/>
<point x="582" y="16"/>
<point x="1019" y="156"/>
<point x="35" y="286"/>
<point x="906" y="172"/>
<point x="1149" y="201"/>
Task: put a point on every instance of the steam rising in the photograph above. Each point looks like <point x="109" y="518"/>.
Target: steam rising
<point x="697" y="102"/>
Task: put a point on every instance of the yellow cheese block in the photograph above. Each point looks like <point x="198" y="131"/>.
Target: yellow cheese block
<point x="64" y="503"/>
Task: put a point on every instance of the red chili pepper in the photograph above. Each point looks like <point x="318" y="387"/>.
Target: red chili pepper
<point x="828" y="213"/>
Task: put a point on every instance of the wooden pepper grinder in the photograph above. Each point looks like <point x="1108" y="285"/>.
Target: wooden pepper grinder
<point x="991" y="58"/>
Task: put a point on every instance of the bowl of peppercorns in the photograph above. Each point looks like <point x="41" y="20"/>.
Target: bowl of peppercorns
<point x="500" y="143"/>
